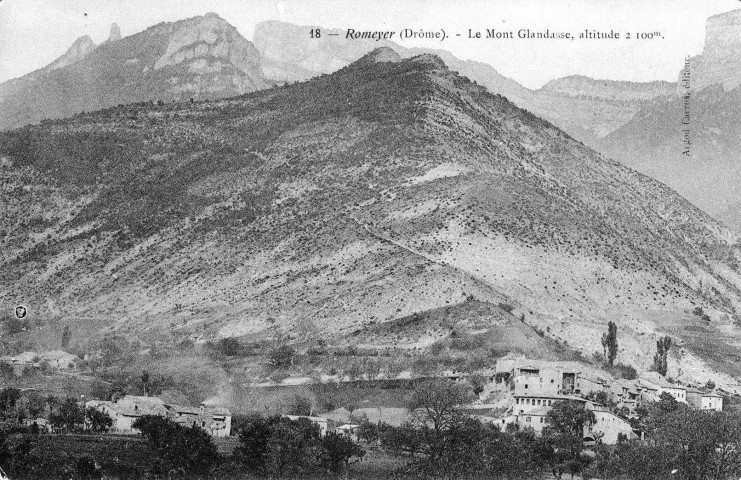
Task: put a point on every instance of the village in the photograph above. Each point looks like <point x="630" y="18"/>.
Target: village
<point x="514" y="399"/>
<point x="517" y="392"/>
<point x="520" y="392"/>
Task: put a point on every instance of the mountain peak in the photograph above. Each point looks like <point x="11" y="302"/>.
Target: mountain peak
<point x="430" y="60"/>
<point x="206" y="43"/>
<point x="381" y="54"/>
<point x="79" y="50"/>
<point x="115" y="34"/>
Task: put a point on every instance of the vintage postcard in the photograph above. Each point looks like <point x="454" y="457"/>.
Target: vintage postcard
<point x="370" y="239"/>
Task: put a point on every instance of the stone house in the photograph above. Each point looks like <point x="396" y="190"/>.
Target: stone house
<point x="656" y="384"/>
<point x="216" y="421"/>
<point x="60" y="360"/>
<point x="705" y="400"/>
<point x="126" y="410"/>
<point x="532" y="411"/>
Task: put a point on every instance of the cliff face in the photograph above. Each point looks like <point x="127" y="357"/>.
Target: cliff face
<point x="581" y="86"/>
<point x="80" y="49"/>
<point x="201" y="57"/>
<point x="720" y="61"/>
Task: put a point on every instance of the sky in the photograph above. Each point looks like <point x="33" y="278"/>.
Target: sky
<point x="35" y="32"/>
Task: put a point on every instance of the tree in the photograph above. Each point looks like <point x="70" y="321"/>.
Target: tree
<point x="88" y="469"/>
<point x="68" y="415"/>
<point x="601" y="397"/>
<point x="478" y="383"/>
<point x="282" y="357"/>
<point x="8" y="398"/>
<point x="338" y="452"/>
<point x="186" y="449"/>
<point x="610" y="343"/>
<point x="6" y="371"/>
<point x="662" y="352"/>
<point x="287" y="449"/>
<point x="66" y="336"/>
<point x="30" y="405"/>
<point x="253" y="443"/>
<point x="98" y="420"/>
<point x="36" y="404"/>
<point x="229" y="347"/>
<point x="277" y="445"/>
<point x="703" y="444"/>
<point x="568" y="418"/>
<point x="301" y="406"/>
<point x="436" y="408"/>
<point x="145" y="382"/>
<point x="566" y="421"/>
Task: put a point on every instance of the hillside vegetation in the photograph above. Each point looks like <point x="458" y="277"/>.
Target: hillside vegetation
<point x="383" y="190"/>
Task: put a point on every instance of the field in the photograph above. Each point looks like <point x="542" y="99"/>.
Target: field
<point x="128" y="457"/>
<point x="56" y="456"/>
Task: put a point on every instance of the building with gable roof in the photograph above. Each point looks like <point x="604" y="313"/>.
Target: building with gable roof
<point x="654" y="382"/>
<point x="60" y="359"/>
<point x="216" y="421"/>
<point x="705" y="400"/>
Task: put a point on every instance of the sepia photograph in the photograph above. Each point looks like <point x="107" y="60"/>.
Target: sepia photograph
<point x="370" y="239"/>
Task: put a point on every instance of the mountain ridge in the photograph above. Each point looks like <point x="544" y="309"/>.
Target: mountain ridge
<point x="382" y="190"/>
<point x="199" y="57"/>
<point x="286" y="56"/>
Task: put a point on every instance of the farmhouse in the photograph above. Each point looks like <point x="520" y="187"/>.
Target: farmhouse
<point x="705" y="400"/>
<point x="126" y="410"/>
<point x="216" y="421"/>
<point x="532" y="411"/>
<point x="60" y="360"/>
<point x="656" y="383"/>
<point x="608" y="427"/>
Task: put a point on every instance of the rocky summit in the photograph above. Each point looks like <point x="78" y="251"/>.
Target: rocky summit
<point x="115" y="34"/>
<point x="377" y="193"/>
<point x="720" y="61"/>
<point x="200" y="58"/>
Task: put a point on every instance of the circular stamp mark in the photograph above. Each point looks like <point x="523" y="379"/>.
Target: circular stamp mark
<point x="20" y="312"/>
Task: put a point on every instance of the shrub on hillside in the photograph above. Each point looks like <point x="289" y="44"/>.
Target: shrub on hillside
<point x="506" y="307"/>
<point x="282" y="357"/>
<point x="468" y="342"/>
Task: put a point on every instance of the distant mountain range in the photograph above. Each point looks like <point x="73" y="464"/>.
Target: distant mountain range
<point x="389" y="188"/>
<point x="206" y="58"/>
<point x="638" y="123"/>
<point x="200" y="58"/>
